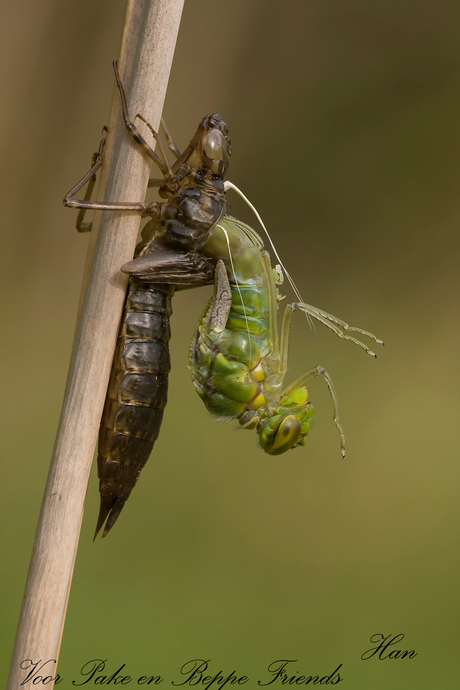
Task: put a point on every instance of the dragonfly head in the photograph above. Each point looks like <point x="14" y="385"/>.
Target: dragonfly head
<point x="290" y="424"/>
<point x="211" y="146"/>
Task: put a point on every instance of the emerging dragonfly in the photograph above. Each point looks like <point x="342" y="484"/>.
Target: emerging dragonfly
<point x="237" y="360"/>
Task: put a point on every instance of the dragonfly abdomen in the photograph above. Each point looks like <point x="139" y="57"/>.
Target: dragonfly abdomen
<point x="136" y="397"/>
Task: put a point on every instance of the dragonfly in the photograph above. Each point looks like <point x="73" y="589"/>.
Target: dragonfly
<point x="237" y="358"/>
<point x="167" y="258"/>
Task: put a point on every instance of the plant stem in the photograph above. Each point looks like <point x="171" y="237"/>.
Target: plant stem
<point x="148" y="42"/>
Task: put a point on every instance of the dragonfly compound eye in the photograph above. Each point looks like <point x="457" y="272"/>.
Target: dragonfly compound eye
<point x="285" y="436"/>
<point x="214" y="145"/>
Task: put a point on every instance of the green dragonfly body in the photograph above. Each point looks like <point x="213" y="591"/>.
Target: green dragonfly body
<point x="239" y="360"/>
<point x="237" y="364"/>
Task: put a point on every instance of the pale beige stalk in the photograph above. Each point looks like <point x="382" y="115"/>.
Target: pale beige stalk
<point x="147" y="48"/>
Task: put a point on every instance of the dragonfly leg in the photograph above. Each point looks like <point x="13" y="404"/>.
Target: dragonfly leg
<point x="174" y="148"/>
<point x="158" y="182"/>
<point x="337" y="325"/>
<point x="162" y="162"/>
<point x="300" y="383"/>
<point x="316" y="371"/>
<point x="90" y="177"/>
<point x="154" y="210"/>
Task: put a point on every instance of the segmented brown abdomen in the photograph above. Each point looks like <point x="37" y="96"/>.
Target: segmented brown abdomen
<point x="136" y="396"/>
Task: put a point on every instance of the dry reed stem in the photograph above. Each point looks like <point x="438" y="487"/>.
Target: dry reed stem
<point x="147" y="48"/>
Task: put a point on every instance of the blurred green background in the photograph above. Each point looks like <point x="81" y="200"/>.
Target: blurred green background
<point x="344" y="119"/>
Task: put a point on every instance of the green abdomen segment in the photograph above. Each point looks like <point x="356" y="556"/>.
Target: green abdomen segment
<point x="234" y="356"/>
<point x="225" y="365"/>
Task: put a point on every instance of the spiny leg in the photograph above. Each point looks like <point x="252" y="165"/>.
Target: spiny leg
<point x="327" y="319"/>
<point x="134" y="132"/>
<point x="342" y="324"/>
<point x="90" y="177"/>
<point x="336" y="324"/>
<point x="80" y="225"/>
<point x="153" y="210"/>
<point x="158" y="140"/>
<point x="178" y="175"/>
<point x="172" y="145"/>
<point x="155" y="182"/>
<point x="85" y="204"/>
<point x="302" y="380"/>
<point x="161" y="162"/>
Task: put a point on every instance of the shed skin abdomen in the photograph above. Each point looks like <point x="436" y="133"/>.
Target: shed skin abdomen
<point x="137" y="392"/>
